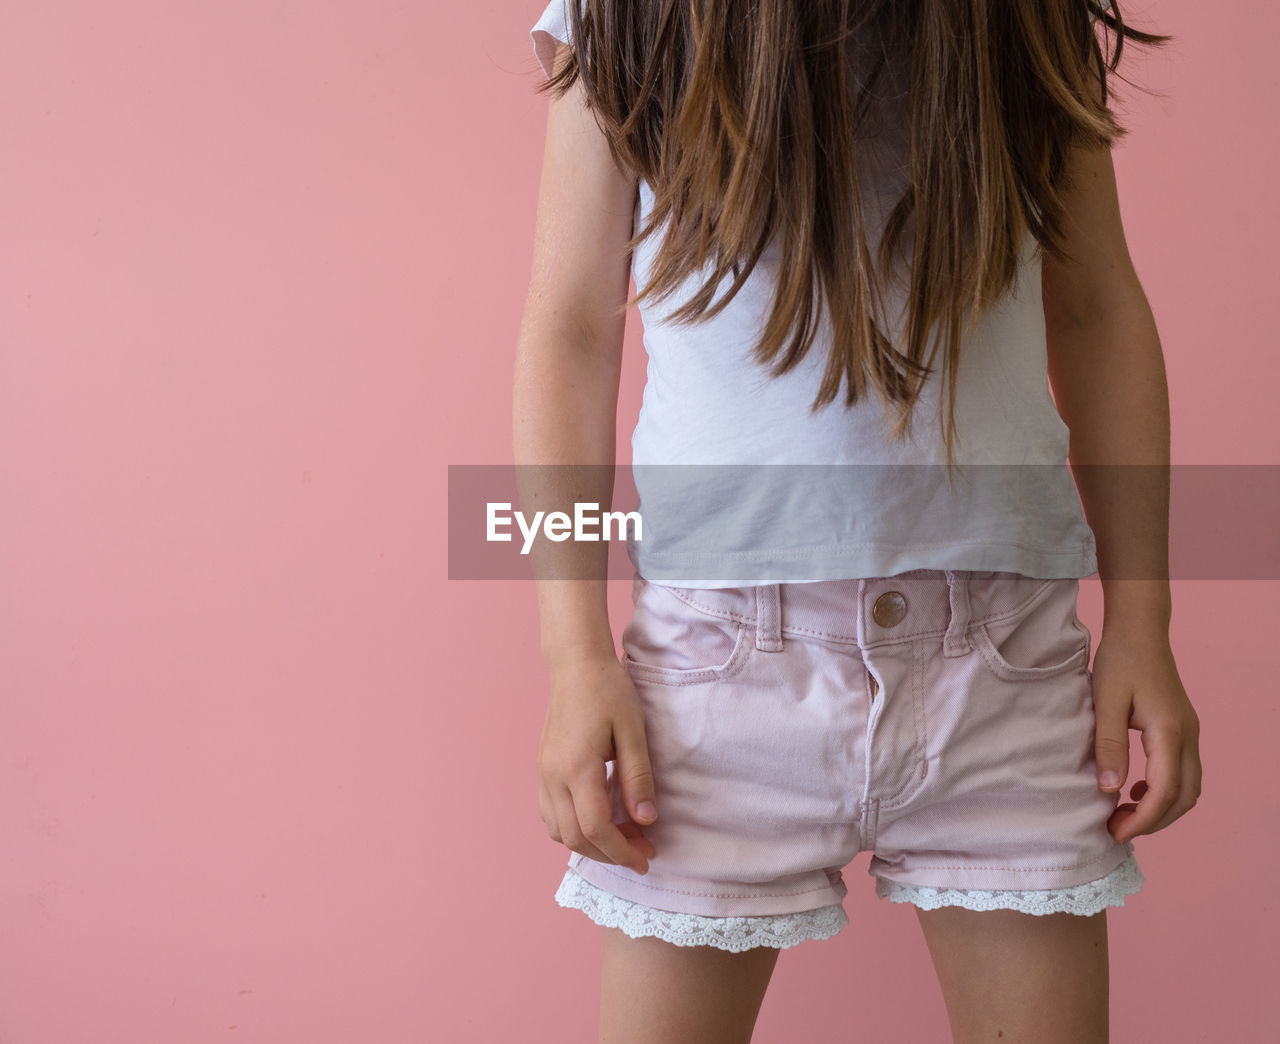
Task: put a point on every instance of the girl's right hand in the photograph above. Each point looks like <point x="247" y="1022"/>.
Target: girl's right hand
<point x="594" y="716"/>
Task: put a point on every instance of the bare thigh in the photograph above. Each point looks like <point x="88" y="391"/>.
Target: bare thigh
<point x="654" y="991"/>
<point x="1021" y="977"/>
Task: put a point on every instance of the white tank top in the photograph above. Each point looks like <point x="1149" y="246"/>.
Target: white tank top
<point x="739" y="483"/>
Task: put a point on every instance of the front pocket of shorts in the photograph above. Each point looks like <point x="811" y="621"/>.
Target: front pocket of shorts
<point x="671" y="643"/>
<point x="1042" y="639"/>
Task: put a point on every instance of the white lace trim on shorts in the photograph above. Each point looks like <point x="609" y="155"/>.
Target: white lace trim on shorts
<point x="1083" y="899"/>
<point x="784" y="930"/>
<point x="725" y="933"/>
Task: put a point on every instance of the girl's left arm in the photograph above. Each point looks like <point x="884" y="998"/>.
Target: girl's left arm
<point x="1107" y="371"/>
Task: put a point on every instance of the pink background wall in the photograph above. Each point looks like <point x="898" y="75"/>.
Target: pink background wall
<point x="265" y="773"/>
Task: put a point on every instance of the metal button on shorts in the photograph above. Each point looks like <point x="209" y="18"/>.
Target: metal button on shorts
<point x="889" y="608"/>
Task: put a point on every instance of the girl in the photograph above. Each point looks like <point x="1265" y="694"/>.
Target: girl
<point x="851" y="632"/>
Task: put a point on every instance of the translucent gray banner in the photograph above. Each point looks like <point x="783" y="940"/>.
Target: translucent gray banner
<point x="730" y="525"/>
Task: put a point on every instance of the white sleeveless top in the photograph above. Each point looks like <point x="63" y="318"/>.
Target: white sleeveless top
<point x="739" y="483"/>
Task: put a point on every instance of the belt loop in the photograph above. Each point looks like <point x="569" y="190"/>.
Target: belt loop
<point x="769" y="617"/>
<point x="956" y="641"/>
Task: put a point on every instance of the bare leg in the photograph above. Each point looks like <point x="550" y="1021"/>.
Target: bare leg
<point x="654" y="992"/>
<point x="1021" y="977"/>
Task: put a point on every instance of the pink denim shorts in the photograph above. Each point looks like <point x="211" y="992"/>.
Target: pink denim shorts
<point x="941" y="720"/>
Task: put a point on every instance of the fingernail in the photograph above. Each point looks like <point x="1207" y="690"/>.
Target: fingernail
<point x="1110" y="779"/>
<point x="646" y="810"/>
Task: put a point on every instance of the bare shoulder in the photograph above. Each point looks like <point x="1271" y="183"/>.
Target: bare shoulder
<point x="584" y="220"/>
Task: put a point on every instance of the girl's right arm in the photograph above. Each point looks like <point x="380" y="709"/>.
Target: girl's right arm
<point x="568" y="367"/>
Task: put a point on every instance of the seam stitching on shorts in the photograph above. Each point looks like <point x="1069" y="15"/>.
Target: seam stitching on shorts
<point x="1008" y="672"/>
<point x="1011" y="869"/>
<point x="712" y="895"/>
<point x="917" y="703"/>
<point x="728" y="614"/>
<point x="675" y="676"/>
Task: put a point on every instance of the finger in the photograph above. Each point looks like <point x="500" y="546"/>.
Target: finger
<point x="1120" y="813"/>
<point x="1188" y="790"/>
<point x="571" y="835"/>
<point x="1196" y="774"/>
<point x="635" y="837"/>
<point x="1163" y="746"/>
<point x="547" y="811"/>
<point x="1111" y="740"/>
<point x="635" y="772"/>
<point x="595" y="816"/>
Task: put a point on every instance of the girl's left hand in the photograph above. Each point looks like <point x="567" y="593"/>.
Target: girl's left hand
<point x="1136" y="685"/>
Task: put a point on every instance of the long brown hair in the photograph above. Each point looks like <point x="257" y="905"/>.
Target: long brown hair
<point x="754" y="119"/>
